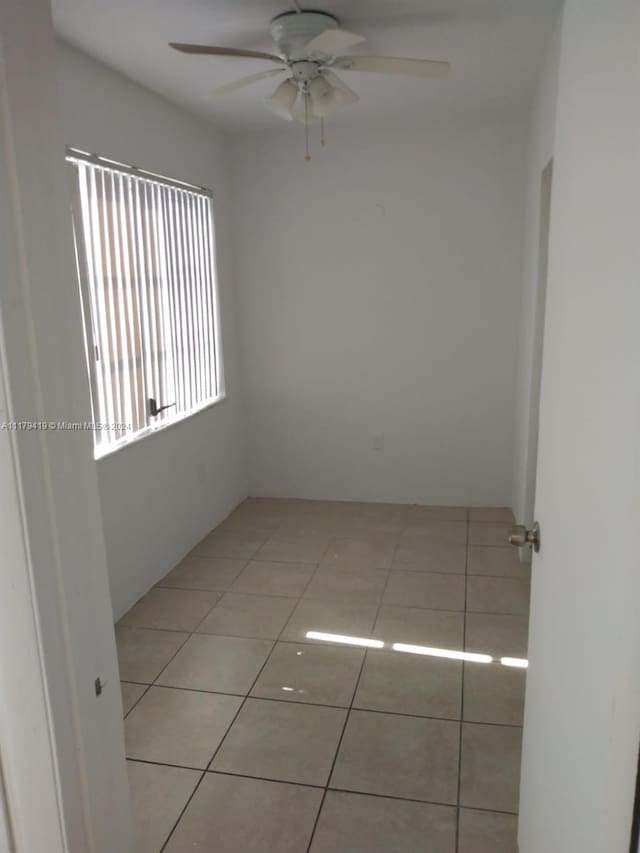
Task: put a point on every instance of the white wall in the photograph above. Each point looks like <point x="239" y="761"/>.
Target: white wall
<point x="161" y="495"/>
<point x="541" y="133"/>
<point x="379" y="288"/>
<point x="582" y="719"/>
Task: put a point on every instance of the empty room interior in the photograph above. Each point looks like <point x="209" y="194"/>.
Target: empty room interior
<point x="303" y="367"/>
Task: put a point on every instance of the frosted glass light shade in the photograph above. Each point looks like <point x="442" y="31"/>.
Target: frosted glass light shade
<point x="322" y="97"/>
<point x="283" y="99"/>
<point x="319" y="87"/>
<point x="343" y="94"/>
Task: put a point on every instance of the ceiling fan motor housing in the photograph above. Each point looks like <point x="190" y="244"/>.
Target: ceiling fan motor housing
<point x="303" y="71"/>
<point x="292" y="30"/>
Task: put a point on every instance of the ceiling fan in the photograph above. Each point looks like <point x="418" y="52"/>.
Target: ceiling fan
<point x="310" y="49"/>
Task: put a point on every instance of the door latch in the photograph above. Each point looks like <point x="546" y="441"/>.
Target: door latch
<point x="520" y="536"/>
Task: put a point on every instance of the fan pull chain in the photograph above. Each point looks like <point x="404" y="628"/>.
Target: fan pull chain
<point x="307" y="156"/>
<point x="322" y="132"/>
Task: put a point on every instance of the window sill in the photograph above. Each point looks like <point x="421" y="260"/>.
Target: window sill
<point x="100" y="454"/>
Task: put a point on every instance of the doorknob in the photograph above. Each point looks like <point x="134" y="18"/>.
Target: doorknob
<point x="519" y="536"/>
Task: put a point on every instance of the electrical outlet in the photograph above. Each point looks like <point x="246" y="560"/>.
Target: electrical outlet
<point x="378" y="442"/>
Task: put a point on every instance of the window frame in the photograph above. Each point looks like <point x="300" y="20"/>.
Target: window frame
<point x="170" y="419"/>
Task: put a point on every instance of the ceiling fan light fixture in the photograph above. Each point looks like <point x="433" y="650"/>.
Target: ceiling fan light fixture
<point x="323" y="97"/>
<point x="319" y="87"/>
<point x="283" y="99"/>
<point x="343" y="94"/>
<point x="323" y="107"/>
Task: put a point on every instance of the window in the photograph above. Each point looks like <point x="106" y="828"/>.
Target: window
<point x="145" y="255"/>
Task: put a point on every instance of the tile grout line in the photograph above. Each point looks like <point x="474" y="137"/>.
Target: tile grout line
<point x="297" y="600"/>
<point x="217" y="749"/>
<point x="182" y="645"/>
<point x="197" y="785"/>
<point x="325" y="599"/>
<point x="323" y="704"/>
<point x="349" y="710"/>
<point x="464" y="648"/>
<point x="147" y="687"/>
<point x="186" y="806"/>
<point x="204" y="772"/>
<point x="318" y="787"/>
<point x="344" y="726"/>
<point x="228" y="729"/>
<point x="339" y="744"/>
<point x="335" y="756"/>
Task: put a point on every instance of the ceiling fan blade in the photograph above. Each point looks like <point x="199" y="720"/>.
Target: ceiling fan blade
<point x="210" y="50"/>
<point x="333" y="41"/>
<point x="245" y="81"/>
<point x="393" y="65"/>
<point x="346" y="93"/>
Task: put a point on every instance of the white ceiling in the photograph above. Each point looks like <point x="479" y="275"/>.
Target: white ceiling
<point x="494" y="47"/>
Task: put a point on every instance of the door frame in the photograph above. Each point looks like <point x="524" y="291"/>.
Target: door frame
<point x="634" y="846"/>
<point x="29" y="767"/>
<point x="61" y="740"/>
<point x="28" y="738"/>
<point x="545" y="189"/>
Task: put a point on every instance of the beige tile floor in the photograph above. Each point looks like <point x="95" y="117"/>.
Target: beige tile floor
<point x="245" y="734"/>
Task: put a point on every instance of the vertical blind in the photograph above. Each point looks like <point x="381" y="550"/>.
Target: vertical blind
<point x="145" y="253"/>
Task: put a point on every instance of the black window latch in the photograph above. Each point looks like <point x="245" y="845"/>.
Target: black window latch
<point x="155" y="409"/>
